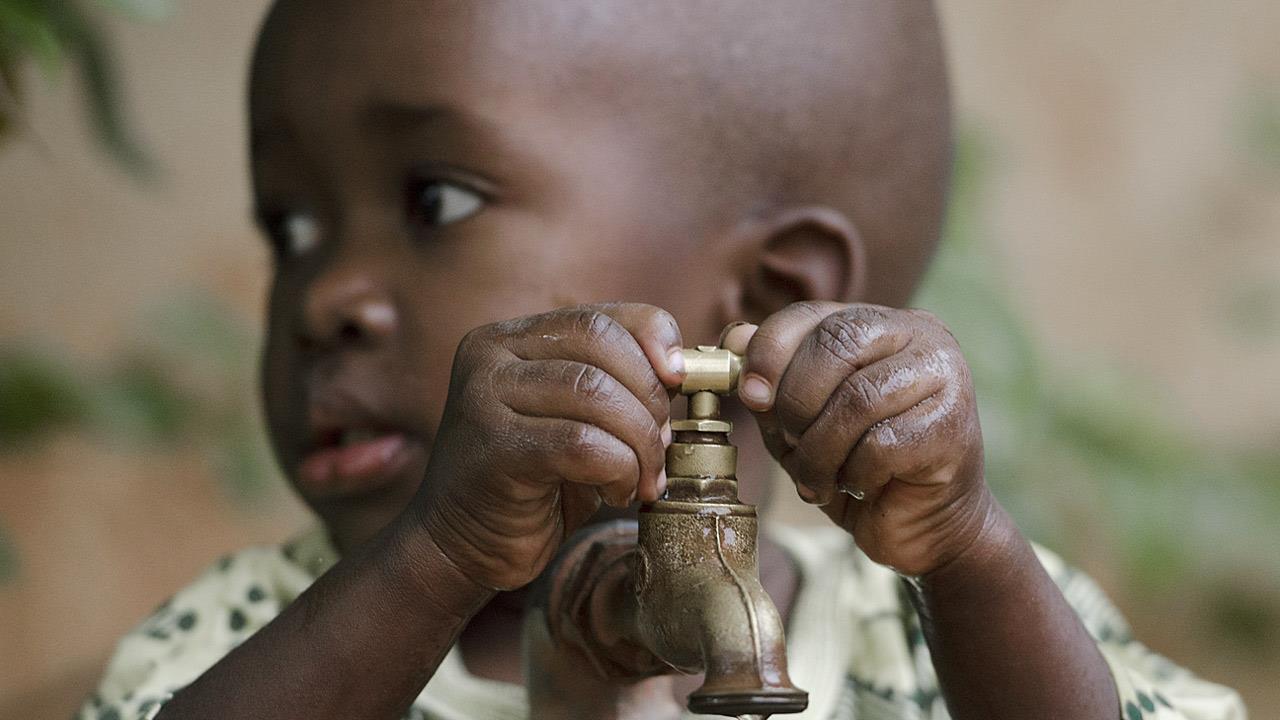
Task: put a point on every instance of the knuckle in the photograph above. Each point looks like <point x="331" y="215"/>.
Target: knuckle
<point x="592" y="384"/>
<point x="844" y="336"/>
<point x="814" y="309"/>
<point x="472" y="343"/>
<point x="583" y="443"/>
<point x="474" y="392"/>
<point x="656" y="397"/>
<point x="861" y="392"/>
<point x="885" y="439"/>
<point x="944" y="361"/>
<point x="595" y="325"/>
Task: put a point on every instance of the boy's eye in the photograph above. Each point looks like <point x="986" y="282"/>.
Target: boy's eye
<point x="292" y="234"/>
<point x="301" y="233"/>
<point x="436" y="203"/>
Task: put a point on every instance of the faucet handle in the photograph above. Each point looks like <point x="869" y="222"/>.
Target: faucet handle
<point x="709" y="373"/>
<point x="710" y="369"/>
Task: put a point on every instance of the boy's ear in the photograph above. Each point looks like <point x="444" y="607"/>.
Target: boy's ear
<point x="807" y="253"/>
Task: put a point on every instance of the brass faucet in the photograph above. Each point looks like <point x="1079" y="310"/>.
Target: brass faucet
<point x="687" y="594"/>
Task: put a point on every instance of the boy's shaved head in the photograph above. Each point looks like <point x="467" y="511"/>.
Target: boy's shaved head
<point x="756" y="105"/>
<point x="425" y="167"/>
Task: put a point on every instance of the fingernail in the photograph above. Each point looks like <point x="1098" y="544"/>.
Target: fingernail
<point x="790" y="439"/>
<point x="738" y="345"/>
<point x="675" y="361"/>
<point x="807" y="494"/>
<point x="662" y="483"/>
<point x="630" y="499"/>
<point x="756" y="391"/>
<point x="666" y="433"/>
<point x="724" y="334"/>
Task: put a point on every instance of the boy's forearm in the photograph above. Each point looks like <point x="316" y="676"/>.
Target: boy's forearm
<point x="360" y="643"/>
<point x="1004" y="640"/>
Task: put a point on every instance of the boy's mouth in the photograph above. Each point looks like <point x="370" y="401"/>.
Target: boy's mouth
<point x="341" y="460"/>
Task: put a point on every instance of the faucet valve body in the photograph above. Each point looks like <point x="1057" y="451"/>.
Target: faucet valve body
<point x="699" y="602"/>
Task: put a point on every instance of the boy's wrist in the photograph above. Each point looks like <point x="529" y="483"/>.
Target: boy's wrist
<point x="996" y="549"/>
<point x="439" y="581"/>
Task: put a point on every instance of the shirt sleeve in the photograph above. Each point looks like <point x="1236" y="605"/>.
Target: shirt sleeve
<point x="1150" y="687"/>
<point x="193" y="630"/>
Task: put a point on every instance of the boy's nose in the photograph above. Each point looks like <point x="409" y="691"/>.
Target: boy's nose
<point x="348" y="306"/>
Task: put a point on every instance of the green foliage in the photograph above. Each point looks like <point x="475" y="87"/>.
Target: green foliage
<point x="187" y="381"/>
<point x="52" y="34"/>
<point x="139" y="400"/>
<point x="38" y="393"/>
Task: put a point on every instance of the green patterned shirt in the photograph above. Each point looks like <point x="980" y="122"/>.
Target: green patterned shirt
<point x="853" y="641"/>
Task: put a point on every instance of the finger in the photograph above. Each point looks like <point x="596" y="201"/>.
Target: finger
<point x="587" y="394"/>
<point x="581" y="454"/>
<point x="765" y="359"/>
<point x="917" y="447"/>
<point x="843" y="343"/>
<point x="771" y="348"/>
<point x="592" y="336"/>
<point x="657" y="333"/>
<point x="862" y="399"/>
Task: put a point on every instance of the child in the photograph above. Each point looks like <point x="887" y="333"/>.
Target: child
<point x="426" y="171"/>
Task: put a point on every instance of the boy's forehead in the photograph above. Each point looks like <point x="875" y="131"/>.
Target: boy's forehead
<point x="416" y="50"/>
<point x="690" y="55"/>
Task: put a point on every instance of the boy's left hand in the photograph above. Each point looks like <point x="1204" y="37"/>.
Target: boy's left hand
<point x="871" y="411"/>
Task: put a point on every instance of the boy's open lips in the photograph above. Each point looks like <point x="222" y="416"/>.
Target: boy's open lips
<point x="356" y="459"/>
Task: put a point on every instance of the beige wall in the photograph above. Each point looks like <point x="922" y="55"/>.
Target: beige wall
<point x="1128" y="204"/>
<point x="1127" y="208"/>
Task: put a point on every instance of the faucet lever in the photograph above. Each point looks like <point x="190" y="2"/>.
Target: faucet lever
<point x="710" y="369"/>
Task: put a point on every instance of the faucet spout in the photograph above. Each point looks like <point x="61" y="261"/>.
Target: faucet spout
<point x="700" y="607"/>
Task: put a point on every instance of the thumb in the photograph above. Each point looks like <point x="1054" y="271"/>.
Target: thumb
<point x="735" y="338"/>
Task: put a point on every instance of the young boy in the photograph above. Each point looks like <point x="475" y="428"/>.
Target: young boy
<point x="426" y="171"/>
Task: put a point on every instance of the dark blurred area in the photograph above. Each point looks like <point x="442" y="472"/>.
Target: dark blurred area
<point x="1112" y="270"/>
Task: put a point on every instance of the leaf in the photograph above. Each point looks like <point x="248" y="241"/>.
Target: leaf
<point x="88" y="47"/>
<point x="139" y="401"/>
<point x="54" y="33"/>
<point x="38" y="394"/>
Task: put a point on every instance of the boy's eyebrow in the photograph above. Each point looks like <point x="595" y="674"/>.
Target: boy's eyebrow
<point x="382" y="114"/>
<point x="400" y="116"/>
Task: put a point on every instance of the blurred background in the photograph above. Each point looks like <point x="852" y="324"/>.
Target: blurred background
<point x="1112" y="270"/>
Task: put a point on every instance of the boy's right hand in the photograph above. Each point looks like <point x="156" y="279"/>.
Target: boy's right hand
<point x="546" y="417"/>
